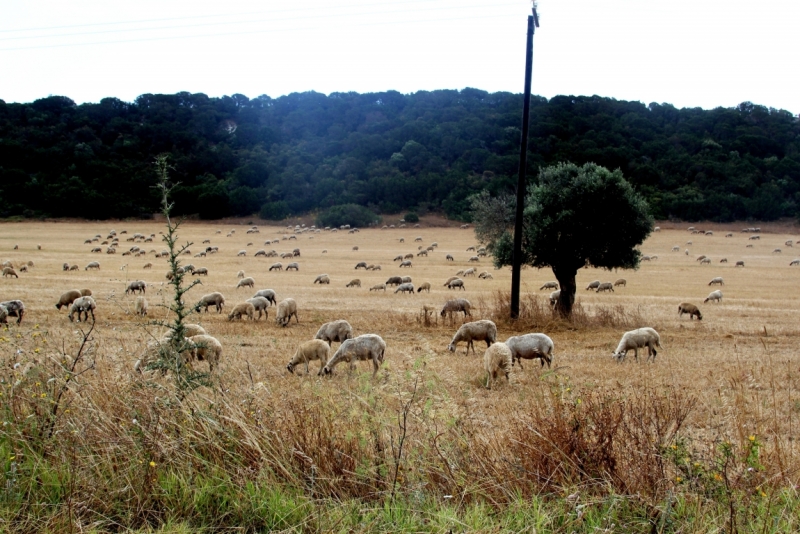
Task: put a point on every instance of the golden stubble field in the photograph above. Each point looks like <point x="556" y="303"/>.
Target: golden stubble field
<point x="740" y="363"/>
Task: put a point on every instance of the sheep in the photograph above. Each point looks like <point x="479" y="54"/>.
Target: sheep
<point x="469" y="272"/>
<point x="141" y="306"/>
<point x="378" y="287"/>
<point x="549" y="285"/>
<point x="240" y="274"/>
<point x="406" y="279"/>
<point x="426" y="286"/>
<point x="794" y="262"/>
<point x="717" y="280"/>
<point x="691" y="309"/>
<point x="724" y="260"/>
<point x="398" y="258"/>
<point x="148" y="265"/>
<point x="201" y="270"/>
<point x="405" y="288"/>
<point x="84" y="305"/>
<point x="405" y="263"/>
<point x="554" y="297"/>
<point x="276" y="266"/>
<point x="394" y="281"/>
<point x="14" y="308"/>
<point x="754" y="237"/>
<point x="293" y="266"/>
<point x="360" y="265"/>
<point x="65" y="267"/>
<point x="215" y="299"/>
<point x="635" y="340"/>
<point x="205" y="347"/>
<point x="86" y="292"/>
<point x="739" y="263"/>
<point x="356" y="247"/>
<point x="338" y="331"/>
<point x="364" y="347"/>
<point x="322" y="279"/>
<point x="776" y="251"/>
<point x="701" y="257"/>
<point x="246" y="282"/>
<point x="3" y="315"/>
<point x="97" y="249"/>
<point x="308" y="351"/>
<point x="456" y="283"/>
<point x="268" y="294"/>
<point x="9" y="271"/>
<point x="705" y="261"/>
<point x="449" y="258"/>
<point x="260" y="304"/>
<point x="470" y="249"/>
<point x="455" y="306"/>
<point x="474" y="259"/>
<point x="605" y="286"/>
<point x="422" y="253"/>
<point x="483" y="330"/>
<point x="789" y="243"/>
<point x="136" y="285"/>
<point x="68" y="298"/>
<point x="497" y="358"/>
<point x="531" y="346"/>
<point x="621" y="282"/>
<point x="241" y="309"/>
<point x="242" y="253"/>
<point x="716" y="296"/>
<point x="676" y="248"/>
<point x="593" y="285"/>
<point x="374" y="268"/>
<point x="92" y="265"/>
<point x="486" y="275"/>
<point x="286" y="309"/>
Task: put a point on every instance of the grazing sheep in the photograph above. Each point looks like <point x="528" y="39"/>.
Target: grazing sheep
<point x="241" y="309"/>
<point x="205" y="347"/>
<point x="268" y="294"/>
<point x="705" y="261"/>
<point x="260" y="304"/>
<point x="701" y="257"/>
<point x="9" y="271"/>
<point x="378" y="287"/>
<point x="676" y="248"/>
<point x="240" y="274"/>
<point x="246" y="282"/>
<point x="455" y="306"/>
<point x="691" y="309"/>
<point x="422" y="253"/>
<point x="293" y="266"/>
<point x="405" y="288"/>
<point x="776" y="251"/>
<point x="789" y="243"/>
<point x="215" y="299"/>
<point x="65" y="267"/>
<point x="406" y="279"/>
<point x="426" y="286"/>
<point x="92" y="265"/>
<point x="554" y="297"/>
<point x="322" y="279"/>
<point x="739" y="263"/>
<point x="286" y="309"/>
<point x="485" y="275"/>
<point x="469" y="272"/>
<point x="84" y="305"/>
<point x="3" y="315"/>
<point x="338" y="331"/>
<point x="449" y="258"/>
<point x="405" y="263"/>
<point x="794" y="262"/>
<point x="308" y="351"/>
<point x="394" y="281"/>
<point x="637" y="339"/>
<point x="354" y="283"/>
<point x="715" y="296"/>
<point x="605" y="286"/>
<point x="355" y="248"/>
<point x="361" y="264"/>
<point x="242" y="253"/>
<point x="398" y="258"/>
<point x="754" y="237"/>
<point x="529" y="347"/>
<point x="97" y="249"/>
<point x="68" y="298"/>
<point x="408" y="256"/>
<point x="365" y="347"/>
<point x="474" y="259"/>
<point x="136" y="285"/>
<point x="374" y="268"/>
<point x="549" y="285"/>
<point x="276" y="266"/>
<point x="14" y="308"/>
<point x="497" y="358"/>
<point x="458" y="282"/>
<point x="717" y="280"/>
<point x="621" y="282"/>
<point x="593" y="285"/>
<point x="86" y="292"/>
<point x="141" y="306"/>
<point x="724" y="260"/>
<point x="483" y="330"/>
<point x="148" y="266"/>
<point x="201" y="270"/>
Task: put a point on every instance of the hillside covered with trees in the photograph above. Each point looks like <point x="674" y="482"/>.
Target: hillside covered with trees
<point x="387" y="151"/>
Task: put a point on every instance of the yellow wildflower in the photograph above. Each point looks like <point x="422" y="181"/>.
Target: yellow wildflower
<point x="152" y="463"/>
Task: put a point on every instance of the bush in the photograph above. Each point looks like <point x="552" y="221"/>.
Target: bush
<point x="351" y="214"/>
<point x="411" y="217"/>
<point x="274" y="211"/>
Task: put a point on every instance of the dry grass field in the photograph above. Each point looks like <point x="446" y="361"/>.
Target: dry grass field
<point x="425" y="425"/>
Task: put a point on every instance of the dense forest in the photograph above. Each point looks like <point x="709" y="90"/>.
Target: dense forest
<point x="389" y="152"/>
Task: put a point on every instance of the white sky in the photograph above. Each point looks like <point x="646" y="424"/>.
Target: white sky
<point x="688" y="53"/>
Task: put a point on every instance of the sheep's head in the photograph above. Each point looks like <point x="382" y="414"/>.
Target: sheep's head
<point x="618" y="356"/>
<point x="325" y="371"/>
<point x="290" y="367"/>
<point x="451" y="347"/>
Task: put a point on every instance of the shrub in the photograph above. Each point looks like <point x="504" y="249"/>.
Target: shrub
<point x="274" y="211"/>
<point x="351" y="214"/>
<point x="411" y="217"/>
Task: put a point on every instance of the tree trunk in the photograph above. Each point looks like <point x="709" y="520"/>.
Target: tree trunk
<point x="566" y="282"/>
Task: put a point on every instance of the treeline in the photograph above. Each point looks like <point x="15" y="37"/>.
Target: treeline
<point x="386" y="151"/>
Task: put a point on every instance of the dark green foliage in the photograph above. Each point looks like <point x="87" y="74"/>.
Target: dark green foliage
<point x="352" y="214"/>
<point x="274" y="211"/>
<point x="411" y="217"/>
<point x="427" y="151"/>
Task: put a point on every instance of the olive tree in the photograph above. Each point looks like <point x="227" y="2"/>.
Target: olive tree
<point x="574" y="217"/>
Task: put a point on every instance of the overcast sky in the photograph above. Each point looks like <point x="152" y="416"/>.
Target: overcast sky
<point x="689" y="53"/>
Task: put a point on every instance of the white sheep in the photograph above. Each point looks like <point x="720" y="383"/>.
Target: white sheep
<point x="92" y="265"/>
<point x="455" y="306"/>
<point x="593" y="285"/>
<point x="276" y="266"/>
<point x="322" y="279"/>
<point x="246" y="282"/>
<point x="365" y="347"/>
<point x="268" y="294"/>
<point x="338" y="331"/>
<point x="136" y="285"/>
<point x="308" y="351"/>
<point x="286" y="308"/>
<point x="605" y="286"/>
<point x="14" y="308"/>
<point x="496" y="359"/>
<point x="260" y="304"/>
<point x="242" y="309"/>
<point x="637" y="339"/>
<point x="424" y="286"/>
<point x="405" y="263"/>
<point x="205" y="347"/>
<point x="240" y="274"/>
<point x="718" y="280"/>
<point x="483" y="330"/>
<point x="554" y="296"/>
<point x="621" y="282"/>
<point x="83" y="305"/>
<point x="456" y="283"/>
<point x="215" y="299"/>
<point x="3" y="315"/>
<point x="405" y="288"/>
<point x="715" y="296"/>
<point x="141" y="306"/>
<point x="378" y="287"/>
<point x="529" y="347"/>
<point x="549" y="285"/>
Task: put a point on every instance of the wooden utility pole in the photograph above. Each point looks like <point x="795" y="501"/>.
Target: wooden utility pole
<point x="516" y="260"/>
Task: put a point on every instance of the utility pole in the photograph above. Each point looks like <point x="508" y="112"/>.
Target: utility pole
<point x="516" y="260"/>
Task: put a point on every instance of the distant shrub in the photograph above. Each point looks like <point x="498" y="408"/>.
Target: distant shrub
<point x="411" y="217"/>
<point x="274" y="211"/>
<point x="351" y="214"/>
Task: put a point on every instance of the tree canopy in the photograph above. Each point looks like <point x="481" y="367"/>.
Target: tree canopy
<point x="574" y="217"/>
<point x="386" y="151"/>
